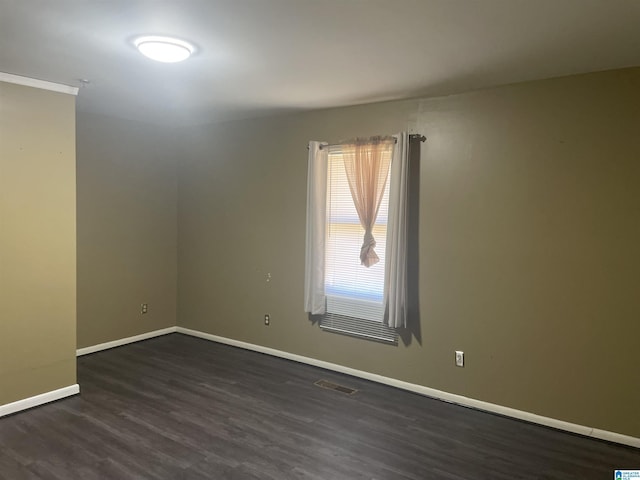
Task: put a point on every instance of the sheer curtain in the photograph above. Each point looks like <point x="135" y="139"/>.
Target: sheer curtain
<point x="314" y="296"/>
<point x="395" y="286"/>
<point x="367" y="169"/>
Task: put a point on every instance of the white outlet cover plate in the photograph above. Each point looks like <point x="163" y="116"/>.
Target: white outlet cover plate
<point x="459" y="358"/>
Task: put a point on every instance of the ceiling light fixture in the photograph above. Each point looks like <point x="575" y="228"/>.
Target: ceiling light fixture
<point x="164" y="49"/>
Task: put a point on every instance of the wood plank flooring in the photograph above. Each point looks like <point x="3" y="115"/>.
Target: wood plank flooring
<point x="177" y="407"/>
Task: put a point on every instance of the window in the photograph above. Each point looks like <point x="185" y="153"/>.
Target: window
<point x="356" y="242"/>
<point x="351" y="288"/>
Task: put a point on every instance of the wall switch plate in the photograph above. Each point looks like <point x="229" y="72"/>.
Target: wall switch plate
<point x="267" y="319"/>
<point x="144" y="308"/>
<point x="459" y="358"/>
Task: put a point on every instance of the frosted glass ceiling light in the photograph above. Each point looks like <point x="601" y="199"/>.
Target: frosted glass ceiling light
<point x="164" y="49"/>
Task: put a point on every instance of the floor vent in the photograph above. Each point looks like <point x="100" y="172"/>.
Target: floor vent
<point x="335" y="386"/>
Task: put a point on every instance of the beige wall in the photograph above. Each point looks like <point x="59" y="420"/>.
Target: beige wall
<point x="529" y="233"/>
<point x="37" y="242"/>
<point x="126" y="229"/>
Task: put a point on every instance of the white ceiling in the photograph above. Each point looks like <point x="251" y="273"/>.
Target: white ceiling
<point x="257" y="57"/>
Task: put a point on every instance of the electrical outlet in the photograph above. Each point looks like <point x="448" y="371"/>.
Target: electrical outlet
<point x="144" y="308"/>
<point x="459" y="358"/>
<point x="267" y="319"/>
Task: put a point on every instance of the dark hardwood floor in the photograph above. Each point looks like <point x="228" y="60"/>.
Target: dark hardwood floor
<point x="177" y="407"/>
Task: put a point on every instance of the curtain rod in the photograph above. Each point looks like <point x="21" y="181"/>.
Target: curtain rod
<point x="413" y="136"/>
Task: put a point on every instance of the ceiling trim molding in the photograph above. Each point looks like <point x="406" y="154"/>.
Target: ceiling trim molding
<point x="34" y="82"/>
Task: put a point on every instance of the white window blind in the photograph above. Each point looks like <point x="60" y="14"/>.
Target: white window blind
<point x="352" y="289"/>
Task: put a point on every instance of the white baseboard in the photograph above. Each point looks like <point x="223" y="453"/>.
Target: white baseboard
<point x="429" y="392"/>
<point x="124" y="341"/>
<point x="26" y="403"/>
